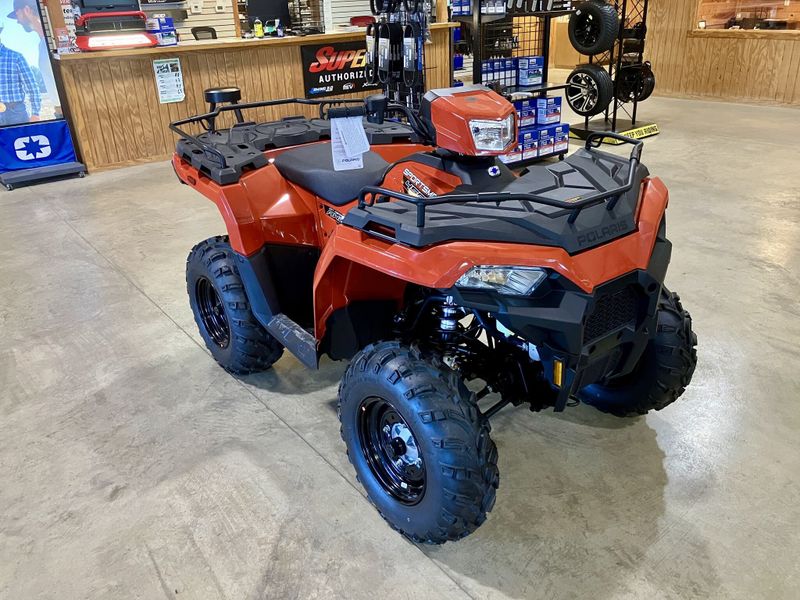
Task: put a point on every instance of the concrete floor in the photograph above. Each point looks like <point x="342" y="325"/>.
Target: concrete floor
<point x="133" y="467"/>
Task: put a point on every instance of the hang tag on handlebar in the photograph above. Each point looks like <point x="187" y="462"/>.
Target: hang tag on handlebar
<point x="348" y="143"/>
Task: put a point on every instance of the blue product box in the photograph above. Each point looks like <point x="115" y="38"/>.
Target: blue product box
<point x="530" y="143"/>
<point x="458" y="62"/>
<point x="548" y="111"/>
<point x="529" y="70"/>
<point x="560" y="138"/>
<point x="526" y="113"/>
<point x="514" y="156"/>
<point x="485" y="71"/>
<point x="509" y="71"/>
<point x="546" y="138"/>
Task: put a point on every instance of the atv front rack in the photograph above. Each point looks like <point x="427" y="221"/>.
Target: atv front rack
<point x="371" y="195"/>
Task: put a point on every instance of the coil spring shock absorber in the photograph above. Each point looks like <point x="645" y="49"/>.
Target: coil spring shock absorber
<point x="448" y="315"/>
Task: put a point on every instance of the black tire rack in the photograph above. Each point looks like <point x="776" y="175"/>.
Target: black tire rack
<point x="396" y="43"/>
<point x="524" y="29"/>
<point x="626" y="54"/>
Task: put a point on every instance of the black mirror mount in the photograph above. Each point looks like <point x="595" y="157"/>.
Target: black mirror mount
<point x="376" y="105"/>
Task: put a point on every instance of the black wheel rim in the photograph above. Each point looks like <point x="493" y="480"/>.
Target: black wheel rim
<point x="587" y="30"/>
<point x="391" y="451"/>
<point x="212" y="312"/>
<point x="582" y="94"/>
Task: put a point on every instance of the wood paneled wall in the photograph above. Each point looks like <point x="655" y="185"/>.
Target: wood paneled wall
<point x="114" y="105"/>
<point x="748" y="66"/>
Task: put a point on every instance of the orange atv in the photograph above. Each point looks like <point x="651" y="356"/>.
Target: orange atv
<point x="431" y="267"/>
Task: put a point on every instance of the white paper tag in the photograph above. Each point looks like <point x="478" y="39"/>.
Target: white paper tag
<point x="348" y="143"/>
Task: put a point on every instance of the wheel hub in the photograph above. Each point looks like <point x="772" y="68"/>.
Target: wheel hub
<point x="212" y="313"/>
<point x="582" y="94"/>
<point x="391" y="451"/>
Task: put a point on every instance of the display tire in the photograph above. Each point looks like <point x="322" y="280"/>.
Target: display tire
<point x="648" y="83"/>
<point x="663" y="372"/>
<point x="602" y="87"/>
<point x="458" y="456"/>
<point x="593" y="27"/>
<point x="222" y="311"/>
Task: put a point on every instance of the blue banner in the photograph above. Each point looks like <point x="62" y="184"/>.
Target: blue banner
<point x="35" y="145"/>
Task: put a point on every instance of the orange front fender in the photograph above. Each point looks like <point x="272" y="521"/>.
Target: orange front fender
<point x="356" y="266"/>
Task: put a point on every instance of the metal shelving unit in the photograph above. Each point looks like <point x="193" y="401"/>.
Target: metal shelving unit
<point x="518" y="32"/>
<point x="621" y="116"/>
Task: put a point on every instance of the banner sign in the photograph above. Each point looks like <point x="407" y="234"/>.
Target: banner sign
<point x="35" y="145"/>
<point x="334" y="69"/>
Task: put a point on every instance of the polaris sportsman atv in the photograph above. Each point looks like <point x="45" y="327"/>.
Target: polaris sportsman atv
<point x="431" y="267"/>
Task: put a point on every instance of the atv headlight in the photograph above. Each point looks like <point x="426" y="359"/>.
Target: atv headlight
<point x="518" y="281"/>
<point x="492" y="136"/>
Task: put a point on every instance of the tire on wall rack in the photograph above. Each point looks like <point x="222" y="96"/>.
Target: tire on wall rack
<point x="648" y="82"/>
<point x="590" y="90"/>
<point x="593" y="27"/>
<point x="635" y="82"/>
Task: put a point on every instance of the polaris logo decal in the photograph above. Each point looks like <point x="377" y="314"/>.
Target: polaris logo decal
<point x="334" y="214"/>
<point x="32" y="147"/>
<point x="602" y="233"/>
<point x="415" y="187"/>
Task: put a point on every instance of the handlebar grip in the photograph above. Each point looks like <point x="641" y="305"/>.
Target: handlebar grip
<point x="346" y="111"/>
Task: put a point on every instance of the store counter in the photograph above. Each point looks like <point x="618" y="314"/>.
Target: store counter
<point x="114" y="105"/>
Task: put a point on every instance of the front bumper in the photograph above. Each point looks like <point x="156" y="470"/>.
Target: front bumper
<point x="582" y="337"/>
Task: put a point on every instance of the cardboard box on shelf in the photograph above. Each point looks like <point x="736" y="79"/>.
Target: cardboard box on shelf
<point x="548" y="110"/>
<point x="530" y="70"/>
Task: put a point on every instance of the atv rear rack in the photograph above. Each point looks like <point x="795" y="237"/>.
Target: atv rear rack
<point x="374" y="194"/>
<point x="207" y="120"/>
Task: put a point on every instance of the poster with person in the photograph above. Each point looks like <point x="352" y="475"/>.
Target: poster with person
<point x="28" y="91"/>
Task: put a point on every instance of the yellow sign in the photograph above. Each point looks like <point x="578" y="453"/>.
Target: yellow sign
<point x="637" y="133"/>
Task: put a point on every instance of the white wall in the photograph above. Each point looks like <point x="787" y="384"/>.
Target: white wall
<point x="338" y="12"/>
<point x="222" y="22"/>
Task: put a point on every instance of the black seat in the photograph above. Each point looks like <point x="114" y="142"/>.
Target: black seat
<point x="311" y="167"/>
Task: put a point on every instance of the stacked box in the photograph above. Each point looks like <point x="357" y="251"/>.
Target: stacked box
<point x="527" y="147"/>
<point x="561" y="138"/>
<point x="461" y="7"/>
<point x="526" y="113"/>
<point x="493" y="7"/>
<point x="546" y="139"/>
<point x="500" y="70"/>
<point x="535" y="139"/>
<point x="548" y="110"/>
<point x="530" y="70"/>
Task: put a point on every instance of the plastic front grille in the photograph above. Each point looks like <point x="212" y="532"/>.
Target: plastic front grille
<point x="611" y="312"/>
